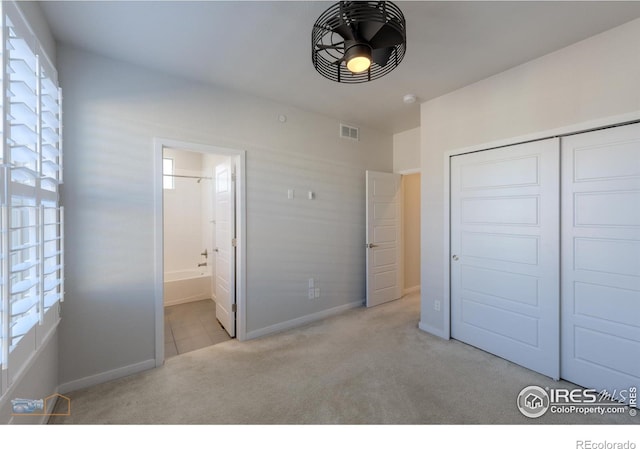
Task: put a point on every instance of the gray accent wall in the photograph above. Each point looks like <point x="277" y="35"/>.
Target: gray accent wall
<point x="112" y="113"/>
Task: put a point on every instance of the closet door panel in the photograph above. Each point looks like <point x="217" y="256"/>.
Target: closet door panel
<point x="600" y="324"/>
<point x="505" y="253"/>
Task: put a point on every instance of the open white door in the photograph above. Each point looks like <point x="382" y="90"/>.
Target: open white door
<point x="383" y="237"/>
<point x="225" y="247"/>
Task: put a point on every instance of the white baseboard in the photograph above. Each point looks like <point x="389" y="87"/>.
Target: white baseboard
<point x="432" y="330"/>
<point x="100" y="378"/>
<point x="286" y="325"/>
<point x="408" y="291"/>
<point x="175" y="302"/>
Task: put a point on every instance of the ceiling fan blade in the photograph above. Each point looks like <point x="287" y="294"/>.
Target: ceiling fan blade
<point x="388" y="36"/>
<point x="381" y="55"/>
<point x="345" y="31"/>
<point x="367" y="30"/>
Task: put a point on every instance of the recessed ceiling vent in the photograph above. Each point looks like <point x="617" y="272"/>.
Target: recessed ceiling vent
<point x="349" y="132"/>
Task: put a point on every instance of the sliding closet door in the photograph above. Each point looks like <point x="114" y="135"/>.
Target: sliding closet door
<point x="505" y="253"/>
<point x="601" y="258"/>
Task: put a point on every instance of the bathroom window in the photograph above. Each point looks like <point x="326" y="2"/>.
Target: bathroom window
<point x="168" y="180"/>
<point x="31" y="219"/>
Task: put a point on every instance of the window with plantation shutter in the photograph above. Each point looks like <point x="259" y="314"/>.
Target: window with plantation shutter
<point x="31" y="222"/>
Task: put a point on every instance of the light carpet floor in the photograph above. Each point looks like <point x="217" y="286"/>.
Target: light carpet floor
<point x="365" y="366"/>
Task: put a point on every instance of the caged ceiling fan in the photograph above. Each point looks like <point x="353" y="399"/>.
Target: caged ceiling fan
<point x="356" y="42"/>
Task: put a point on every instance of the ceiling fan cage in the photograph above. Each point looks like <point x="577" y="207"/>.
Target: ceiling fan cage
<point x="378" y="25"/>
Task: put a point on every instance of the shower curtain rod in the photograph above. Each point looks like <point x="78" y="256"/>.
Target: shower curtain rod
<point x="187" y="176"/>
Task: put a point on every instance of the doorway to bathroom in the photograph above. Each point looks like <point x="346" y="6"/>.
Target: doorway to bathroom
<point x="200" y="255"/>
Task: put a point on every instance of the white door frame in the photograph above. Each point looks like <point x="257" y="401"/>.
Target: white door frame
<point x="239" y="157"/>
<point x="592" y="125"/>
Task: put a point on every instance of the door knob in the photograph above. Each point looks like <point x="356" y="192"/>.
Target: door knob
<point x="371" y="245"/>
<point x="454" y="257"/>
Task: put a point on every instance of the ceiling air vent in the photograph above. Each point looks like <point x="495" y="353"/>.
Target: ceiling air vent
<point x="349" y="132"/>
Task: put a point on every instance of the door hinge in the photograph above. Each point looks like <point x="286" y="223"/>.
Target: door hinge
<point x="234" y="242"/>
<point x="233" y="177"/>
<point x="234" y="308"/>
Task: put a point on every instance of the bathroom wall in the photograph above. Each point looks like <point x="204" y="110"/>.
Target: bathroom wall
<point x="183" y="213"/>
<point x="189" y="211"/>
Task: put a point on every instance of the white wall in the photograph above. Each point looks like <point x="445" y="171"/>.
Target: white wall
<point x="34" y="15"/>
<point x="406" y="151"/>
<point x="112" y="113"/>
<point x="590" y="80"/>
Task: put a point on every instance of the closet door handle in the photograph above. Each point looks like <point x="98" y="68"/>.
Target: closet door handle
<point x="454" y="257"/>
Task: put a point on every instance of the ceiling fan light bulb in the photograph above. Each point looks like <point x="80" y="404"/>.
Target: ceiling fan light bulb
<point x="358" y="64"/>
<point x="358" y="58"/>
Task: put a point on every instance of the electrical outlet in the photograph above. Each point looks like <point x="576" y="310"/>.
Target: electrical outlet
<point x="436" y="306"/>
<point x="317" y="292"/>
<point x="312" y="293"/>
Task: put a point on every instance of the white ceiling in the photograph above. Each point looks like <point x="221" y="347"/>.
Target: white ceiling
<point x="264" y="47"/>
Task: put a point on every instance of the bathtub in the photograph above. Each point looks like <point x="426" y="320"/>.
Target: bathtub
<point x="186" y="286"/>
